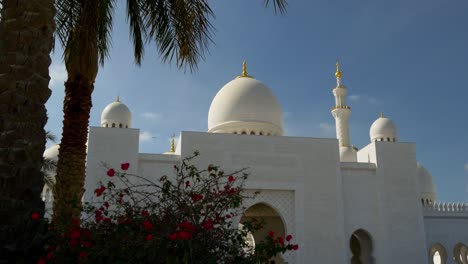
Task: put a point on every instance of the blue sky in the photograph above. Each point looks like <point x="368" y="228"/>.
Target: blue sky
<point x="408" y="59"/>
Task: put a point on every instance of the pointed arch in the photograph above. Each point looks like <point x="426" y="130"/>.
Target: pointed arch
<point x="361" y="245"/>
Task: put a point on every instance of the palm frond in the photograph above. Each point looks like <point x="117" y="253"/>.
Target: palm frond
<point x="181" y="29"/>
<point x="134" y="8"/>
<point x="279" y="5"/>
<point x="50" y="136"/>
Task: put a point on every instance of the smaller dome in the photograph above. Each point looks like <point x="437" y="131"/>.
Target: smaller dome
<point x="52" y="153"/>
<point x="426" y="185"/>
<point x="116" y="114"/>
<point x="383" y="129"/>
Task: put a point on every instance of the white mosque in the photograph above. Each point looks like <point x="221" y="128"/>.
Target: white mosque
<point x="376" y="205"/>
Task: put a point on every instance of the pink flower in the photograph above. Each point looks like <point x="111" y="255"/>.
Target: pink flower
<point x="197" y="197"/>
<point x="288" y="238"/>
<point x="125" y="166"/>
<point x="100" y="190"/>
<point x="148" y="225"/>
<point x="295" y="247"/>
<point x="271" y="234"/>
<point x="106" y="204"/>
<point x="111" y="172"/>
<point x="35" y="216"/>
<point x="231" y="178"/>
<point x="228" y="216"/>
<point x="149" y="237"/>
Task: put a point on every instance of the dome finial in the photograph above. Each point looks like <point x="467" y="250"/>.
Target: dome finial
<point x="338" y="73"/>
<point x="381" y="115"/>
<point x="172" y="149"/>
<point x="244" y="71"/>
<point x="118" y="99"/>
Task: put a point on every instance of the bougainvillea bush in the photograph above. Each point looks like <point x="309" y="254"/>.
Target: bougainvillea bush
<point x="187" y="218"/>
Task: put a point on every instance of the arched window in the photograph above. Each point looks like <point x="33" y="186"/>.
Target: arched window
<point x="460" y="254"/>
<point x="126" y="126"/>
<point x="361" y="247"/>
<point x="252" y="133"/>
<point x="235" y="132"/>
<point x="244" y="133"/>
<point x="437" y="254"/>
<point x="388" y="139"/>
<point x="113" y="124"/>
<point x="120" y="125"/>
<point x="261" y="134"/>
<point x="107" y="125"/>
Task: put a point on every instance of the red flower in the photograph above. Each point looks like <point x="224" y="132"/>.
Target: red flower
<point x="173" y="236"/>
<point x="75" y="234"/>
<point x="86" y="244"/>
<point x="149" y="237"/>
<point x="125" y="166"/>
<point x="35" y="216"/>
<point x="111" y="172"/>
<point x="184" y="235"/>
<point x="187" y="184"/>
<point x="295" y="247"/>
<point x="106" y="204"/>
<point x="50" y="255"/>
<point x="208" y="224"/>
<point x="231" y="178"/>
<point x="98" y="216"/>
<point x="148" y="225"/>
<point x="186" y="225"/>
<point x="281" y="241"/>
<point x="82" y="254"/>
<point x="232" y="191"/>
<point x="144" y="213"/>
<point x="106" y="220"/>
<point x="288" y="238"/>
<point x="100" y="190"/>
<point x="228" y="216"/>
<point x="41" y="261"/>
<point x="75" y="222"/>
<point x="197" y="197"/>
<point x="271" y="234"/>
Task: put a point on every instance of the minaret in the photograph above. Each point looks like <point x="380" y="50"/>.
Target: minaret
<point x="341" y="114"/>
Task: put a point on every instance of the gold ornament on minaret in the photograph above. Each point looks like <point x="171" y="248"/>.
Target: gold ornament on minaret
<point x="338" y="73"/>
<point x="172" y="149"/>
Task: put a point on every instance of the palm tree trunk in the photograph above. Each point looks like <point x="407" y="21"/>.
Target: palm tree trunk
<point x="72" y="156"/>
<point x="26" y="40"/>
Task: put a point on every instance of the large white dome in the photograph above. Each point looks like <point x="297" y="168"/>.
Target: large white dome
<point x="116" y="114"/>
<point x="245" y="106"/>
<point x="383" y="129"/>
<point x="426" y="185"/>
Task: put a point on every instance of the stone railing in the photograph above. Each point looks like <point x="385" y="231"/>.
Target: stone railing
<point x="443" y="208"/>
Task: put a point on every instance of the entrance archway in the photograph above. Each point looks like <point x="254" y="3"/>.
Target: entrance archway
<point x="273" y="222"/>
<point x="361" y="247"/>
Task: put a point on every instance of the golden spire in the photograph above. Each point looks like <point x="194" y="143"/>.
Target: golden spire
<point x="381" y="115"/>
<point x="244" y="71"/>
<point x="172" y="149"/>
<point x="338" y="73"/>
